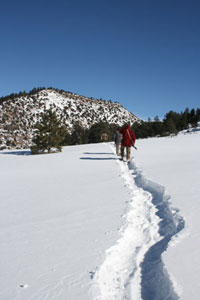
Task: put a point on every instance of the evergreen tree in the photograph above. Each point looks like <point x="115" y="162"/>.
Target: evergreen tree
<point x="192" y="118"/>
<point x="156" y="119"/>
<point x="183" y="121"/>
<point x="79" y="135"/>
<point x="170" y="126"/>
<point x="67" y="140"/>
<point x="49" y="134"/>
<point x="157" y="127"/>
<point x="96" y="131"/>
<point x="112" y="130"/>
<point x="198" y="114"/>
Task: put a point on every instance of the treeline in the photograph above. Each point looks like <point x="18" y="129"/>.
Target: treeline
<point x="34" y="91"/>
<point x="50" y="135"/>
<point x="172" y="123"/>
<point x="97" y="133"/>
<point x="13" y="96"/>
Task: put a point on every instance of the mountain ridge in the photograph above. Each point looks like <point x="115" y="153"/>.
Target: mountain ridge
<point x="20" y="112"/>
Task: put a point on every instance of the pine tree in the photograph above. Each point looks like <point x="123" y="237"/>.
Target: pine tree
<point x="96" y="131"/>
<point x="49" y="134"/>
<point x="198" y="114"/>
<point x="79" y="135"/>
<point x="170" y="126"/>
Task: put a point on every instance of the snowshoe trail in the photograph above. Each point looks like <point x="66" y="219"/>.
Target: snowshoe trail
<point x="133" y="268"/>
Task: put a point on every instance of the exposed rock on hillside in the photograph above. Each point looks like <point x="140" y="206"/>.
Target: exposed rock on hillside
<point x="19" y="114"/>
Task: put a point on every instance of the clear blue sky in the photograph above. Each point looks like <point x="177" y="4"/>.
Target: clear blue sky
<point x="144" y="54"/>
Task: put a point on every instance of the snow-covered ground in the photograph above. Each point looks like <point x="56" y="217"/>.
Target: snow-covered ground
<point x="58" y="215"/>
<point x="175" y="164"/>
<point x="82" y="225"/>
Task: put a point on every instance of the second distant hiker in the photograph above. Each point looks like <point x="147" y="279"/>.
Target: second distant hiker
<point x="118" y="138"/>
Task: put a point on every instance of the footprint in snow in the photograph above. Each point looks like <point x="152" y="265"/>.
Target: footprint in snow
<point x="24" y="286"/>
<point x="92" y="273"/>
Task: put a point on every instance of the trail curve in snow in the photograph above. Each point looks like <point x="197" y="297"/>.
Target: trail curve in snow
<point x="133" y="268"/>
<point x="156" y="283"/>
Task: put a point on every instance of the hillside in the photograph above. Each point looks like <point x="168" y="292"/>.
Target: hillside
<point x="18" y="114"/>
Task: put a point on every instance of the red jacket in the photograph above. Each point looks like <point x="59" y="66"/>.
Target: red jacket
<point x="128" y="138"/>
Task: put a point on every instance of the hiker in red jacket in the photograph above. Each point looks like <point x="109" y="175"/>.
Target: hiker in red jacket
<point x="128" y="140"/>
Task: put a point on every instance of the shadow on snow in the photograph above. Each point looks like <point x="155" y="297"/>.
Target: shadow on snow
<point x="17" y="153"/>
<point x="98" y="158"/>
<point x="98" y="153"/>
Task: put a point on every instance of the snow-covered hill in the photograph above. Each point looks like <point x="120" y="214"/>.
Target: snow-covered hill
<point x="18" y="116"/>
<point x="82" y="225"/>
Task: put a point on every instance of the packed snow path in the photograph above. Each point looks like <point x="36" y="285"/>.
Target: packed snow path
<point x="174" y="162"/>
<point x="59" y="214"/>
<point x="133" y="268"/>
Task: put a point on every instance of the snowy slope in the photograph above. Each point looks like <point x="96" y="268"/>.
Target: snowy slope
<point x="83" y="225"/>
<point x="17" y="117"/>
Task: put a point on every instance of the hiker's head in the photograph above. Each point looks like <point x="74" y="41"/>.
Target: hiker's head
<point x="127" y="126"/>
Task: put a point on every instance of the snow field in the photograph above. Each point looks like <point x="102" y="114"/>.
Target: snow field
<point x="82" y="225"/>
<point x="58" y="215"/>
<point x="174" y="162"/>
